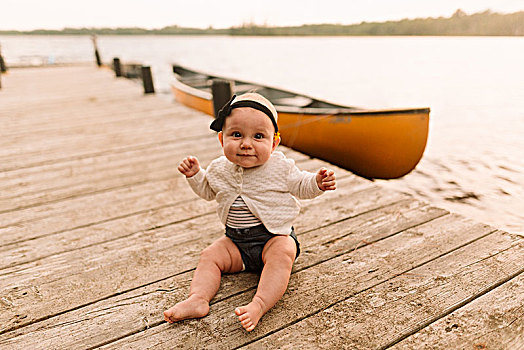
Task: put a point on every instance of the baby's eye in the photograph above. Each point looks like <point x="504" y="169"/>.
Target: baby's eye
<point x="236" y="134"/>
<point x="259" y="136"/>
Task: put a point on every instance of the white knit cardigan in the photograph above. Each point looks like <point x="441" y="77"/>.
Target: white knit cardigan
<point x="268" y="190"/>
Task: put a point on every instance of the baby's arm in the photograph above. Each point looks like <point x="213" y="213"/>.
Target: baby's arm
<point x="326" y="179"/>
<point x="196" y="177"/>
<point x="306" y="185"/>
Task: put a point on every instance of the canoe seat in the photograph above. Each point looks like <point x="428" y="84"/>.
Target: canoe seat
<point x="297" y="101"/>
<point x="197" y="81"/>
<point x="243" y="88"/>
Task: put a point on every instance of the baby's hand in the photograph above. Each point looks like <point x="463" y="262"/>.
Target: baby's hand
<point x="326" y="180"/>
<point x="189" y="166"/>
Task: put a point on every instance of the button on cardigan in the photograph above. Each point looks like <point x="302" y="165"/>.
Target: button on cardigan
<point x="269" y="190"/>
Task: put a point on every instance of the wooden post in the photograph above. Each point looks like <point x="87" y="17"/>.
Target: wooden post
<point x="222" y="92"/>
<point x="117" y="67"/>
<point x="3" y="67"/>
<point x="97" y="55"/>
<point x="147" y="79"/>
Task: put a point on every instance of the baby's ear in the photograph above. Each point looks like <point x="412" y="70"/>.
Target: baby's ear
<point x="221" y="138"/>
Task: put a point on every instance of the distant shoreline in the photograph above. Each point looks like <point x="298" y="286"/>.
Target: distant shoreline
<point x="485" y="23"/>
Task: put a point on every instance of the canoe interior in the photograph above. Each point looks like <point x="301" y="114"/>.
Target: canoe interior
<point x="280" y="98"/>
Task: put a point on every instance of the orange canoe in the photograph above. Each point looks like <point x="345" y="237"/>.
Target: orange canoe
<point x="382" y="144"/>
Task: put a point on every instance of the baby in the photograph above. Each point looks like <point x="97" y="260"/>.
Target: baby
<point x="255" y="188"/>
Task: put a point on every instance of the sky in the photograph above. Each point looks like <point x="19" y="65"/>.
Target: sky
<point x="58" y="14"/>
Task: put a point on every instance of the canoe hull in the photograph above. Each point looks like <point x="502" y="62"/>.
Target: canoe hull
<point x="382" y="146"/>
<point x="374" y="144"/>
<point x="199" y="103"/>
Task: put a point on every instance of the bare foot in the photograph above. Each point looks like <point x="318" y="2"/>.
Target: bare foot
<point x="250" y="314"/>
<point x="192" y="307"/>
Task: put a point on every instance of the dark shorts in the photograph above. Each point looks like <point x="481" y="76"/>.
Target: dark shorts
<point x="251" y="241"/>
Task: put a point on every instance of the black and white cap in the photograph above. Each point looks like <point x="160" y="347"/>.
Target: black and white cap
<point x="250" y="99"/>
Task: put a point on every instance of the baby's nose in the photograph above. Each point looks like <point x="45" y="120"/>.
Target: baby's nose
<point x="246" y="143"/>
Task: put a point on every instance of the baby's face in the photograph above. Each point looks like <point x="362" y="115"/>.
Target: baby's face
<point x="247" y="137"/>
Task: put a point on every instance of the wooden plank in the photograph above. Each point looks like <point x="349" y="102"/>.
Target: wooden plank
<point x="138" y="309"/>
<point x="74" y="168"/>
<point x="493" y="321"/>
<point x="159" y="121"/>
<point x="67" y="112"/>
<point x="386" y="313"/>
<point x="55" y="85"/>
<point x="93" y="175"/>
<point x="92" y="117"/>
<point x="49" y="218"/>
<point x="96" y="109"/>
<point x="315" y="289"/>
<point x="108" y="121"/>
<point x="49" y="151"/>
<point x="181" y="118"/>
<point x="98" y="271"/>
<point x="35" y="249"/>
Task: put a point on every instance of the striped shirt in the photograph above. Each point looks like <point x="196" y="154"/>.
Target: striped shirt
<point x="240" y="216"/>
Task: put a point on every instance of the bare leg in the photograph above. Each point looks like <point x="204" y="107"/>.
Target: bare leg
<point x="220" y="257"/>
<point x="278" y="257"/>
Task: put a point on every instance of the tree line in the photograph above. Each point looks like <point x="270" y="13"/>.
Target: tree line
<point x="485" y="23"/>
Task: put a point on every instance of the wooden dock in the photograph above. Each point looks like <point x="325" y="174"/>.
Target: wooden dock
<point x="99" y="234"/>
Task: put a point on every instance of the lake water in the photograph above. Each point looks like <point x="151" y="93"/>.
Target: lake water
<point x="473" y="164"/>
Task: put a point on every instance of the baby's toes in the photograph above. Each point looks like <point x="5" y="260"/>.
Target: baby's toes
<point x="246" y="323"/>
<point x="241" y="313"/>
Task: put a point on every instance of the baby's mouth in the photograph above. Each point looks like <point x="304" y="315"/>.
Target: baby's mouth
<point x="246" y="155"/>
